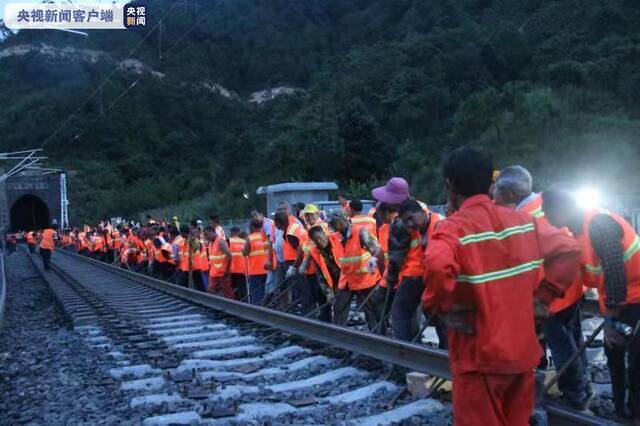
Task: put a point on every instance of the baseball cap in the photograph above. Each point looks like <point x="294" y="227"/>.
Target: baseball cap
<point x="310" y="208"/>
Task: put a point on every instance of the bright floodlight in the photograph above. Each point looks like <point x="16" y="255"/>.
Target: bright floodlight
<point x="588" y="197"/>
<point x="245" y="195"/>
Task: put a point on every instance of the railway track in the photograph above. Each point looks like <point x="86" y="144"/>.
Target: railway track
<point x="183" y="362"/>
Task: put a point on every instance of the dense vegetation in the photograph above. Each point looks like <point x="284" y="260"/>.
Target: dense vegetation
<point x="389" y="87"/>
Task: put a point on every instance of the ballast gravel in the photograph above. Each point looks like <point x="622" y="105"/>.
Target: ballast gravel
<point x="48" y="374"/>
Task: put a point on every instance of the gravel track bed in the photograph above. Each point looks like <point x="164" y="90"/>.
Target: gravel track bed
<point x="187" y="365"/>
<point x="48" y="374"/>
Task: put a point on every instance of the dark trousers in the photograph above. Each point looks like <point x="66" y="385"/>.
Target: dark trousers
<point x="313" y="298"/>
<point x="342" y="304"/>
<point x="257" y="285"/>
<point x="404" y="307"/>
<point x="563" y="332"/>
<point x="198" y="282"/>
<point x="239" y="285"/>
<point x="406" y="301"/>
<point x="166" y="271"/>
<point x="384" y="298"/>
<point x="32" y="248"/>
<point x="623" y="378"/>
<point x="46" y="258"/>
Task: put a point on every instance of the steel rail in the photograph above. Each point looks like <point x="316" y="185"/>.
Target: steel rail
<point x="404" y="354"/>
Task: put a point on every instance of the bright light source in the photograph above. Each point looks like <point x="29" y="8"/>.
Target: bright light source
<point x="245" y="195"/>
<point x="588" y="197"/>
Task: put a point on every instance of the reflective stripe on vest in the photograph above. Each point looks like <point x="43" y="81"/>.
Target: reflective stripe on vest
<point x="507" y="232"/>
<point x="501" y="274"/>
<point x="633" y="248"/>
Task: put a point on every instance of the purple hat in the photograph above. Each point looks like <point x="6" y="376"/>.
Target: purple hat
<point x="394" y="192"/>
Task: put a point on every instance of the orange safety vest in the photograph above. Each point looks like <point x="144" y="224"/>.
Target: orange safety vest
<point x="294" y="229"/>
<point x="366" y="221"/>
<point x="200" y="260"/>
<point x="414" y="264"/>
<point x="47" y="241"/>
<point x="148" y="244"/>
<point x="98" y="243"/>
<point x="238" y="262"/>
<point x="160" y="255"/>
<point x="117" y="240"/>
<point x="317" y="257"/>
<point x="184" y="255"/>
<point x="217" y="259"/>
<point x="353" y="263"/>
<point x="308" y="245"/>
<point x="257" y="253"/>
<point x="591" y="267"/>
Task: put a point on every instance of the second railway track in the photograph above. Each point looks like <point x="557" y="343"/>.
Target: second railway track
<point x="181" y="363"/>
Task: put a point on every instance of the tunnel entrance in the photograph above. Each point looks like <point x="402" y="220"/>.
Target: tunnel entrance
<point x="29" y="213"/>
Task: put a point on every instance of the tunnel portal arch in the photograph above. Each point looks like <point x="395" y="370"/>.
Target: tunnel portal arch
<point x="28" y="213"/>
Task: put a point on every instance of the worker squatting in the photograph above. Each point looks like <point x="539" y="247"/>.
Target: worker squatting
<point x="504" y="268"/>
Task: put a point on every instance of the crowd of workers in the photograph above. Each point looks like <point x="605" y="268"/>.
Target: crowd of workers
<point x="506" y="269"/>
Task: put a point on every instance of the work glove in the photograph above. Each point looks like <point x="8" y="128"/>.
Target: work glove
<point x="540" y="311"/>
<point x="291" y="272"/>
<point x="268" y="266"/>
<point x="372" y="265"/>
<point x="613" y="338"/>
<point x="456" y="319"/>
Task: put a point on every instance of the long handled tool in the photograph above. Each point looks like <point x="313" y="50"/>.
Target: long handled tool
<point x="576" y="354"/>
<point x="282" y="292"/>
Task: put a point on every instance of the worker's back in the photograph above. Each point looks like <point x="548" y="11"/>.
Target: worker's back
<point x="498" y="258"/>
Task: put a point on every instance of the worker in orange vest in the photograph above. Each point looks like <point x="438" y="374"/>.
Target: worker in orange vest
<point x="311" y="293"/>
<point x="219" y="264"/>
<point x="360" y="260"/>
<point x="357" y="218"/>
<point x="271" y="260"/>
<point x="293" y="240"/>
<point x="384" y="215"/>
<point x="610" y="262"/>
<point x="406" y="266"/>
<point x="563" y="329"/>
<point x="325" y="253"/>
<point x="164" y="256"/>
<point x="31" y="241"/>
<point x="48" y="244"/>
<point x="482" y="279"/>
<point x="238" y="267"/>
<point x="255" y="252"/>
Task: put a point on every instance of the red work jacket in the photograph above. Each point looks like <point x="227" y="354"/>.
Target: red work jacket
<point x="489" y="257"/>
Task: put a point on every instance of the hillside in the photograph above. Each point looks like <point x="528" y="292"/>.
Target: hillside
<point x="365" y="89"/>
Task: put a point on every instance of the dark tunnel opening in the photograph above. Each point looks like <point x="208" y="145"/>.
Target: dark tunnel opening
<point x="29" y="213"/>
